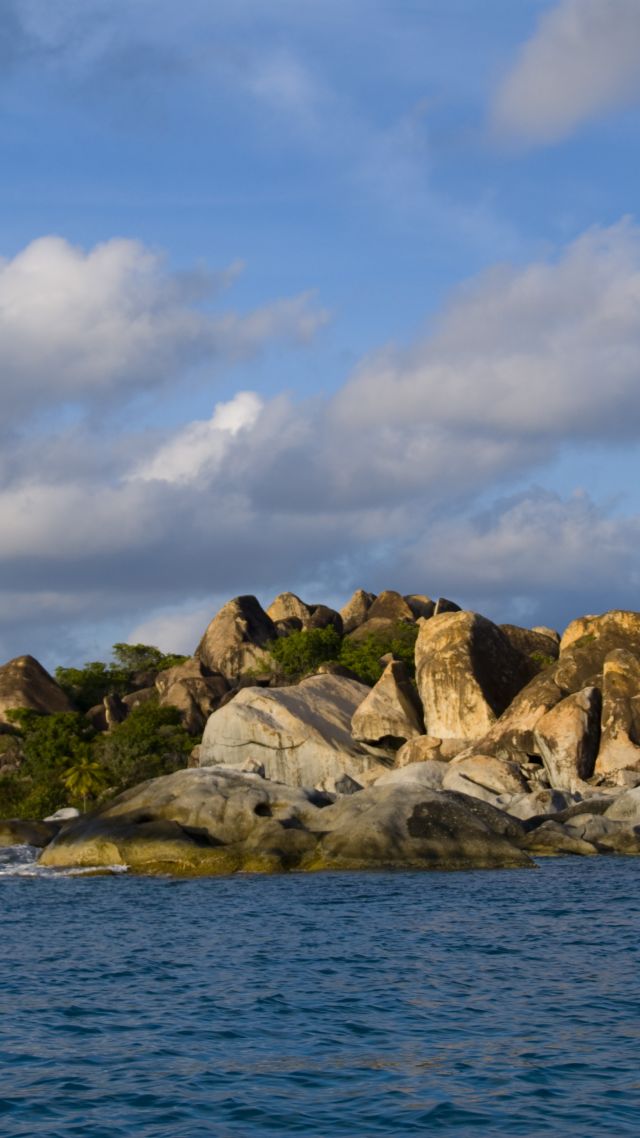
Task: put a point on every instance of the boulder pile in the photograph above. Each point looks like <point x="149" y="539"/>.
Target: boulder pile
<point x="500" y="743"/>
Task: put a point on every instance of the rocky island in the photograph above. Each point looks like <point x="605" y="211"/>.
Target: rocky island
<point x="400" y="732"/>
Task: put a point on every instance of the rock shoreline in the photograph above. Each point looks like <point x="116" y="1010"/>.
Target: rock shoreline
<point x="510" y="744"/>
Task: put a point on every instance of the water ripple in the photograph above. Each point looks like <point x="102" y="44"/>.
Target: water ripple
<point x="466" y="1004"/>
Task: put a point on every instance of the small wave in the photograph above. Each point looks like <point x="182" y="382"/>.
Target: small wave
<point x="22" y="861"/>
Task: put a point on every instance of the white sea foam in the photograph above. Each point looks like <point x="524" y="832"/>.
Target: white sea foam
<point x="22" y="861"/>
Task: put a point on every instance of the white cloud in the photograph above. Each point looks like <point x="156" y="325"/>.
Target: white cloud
<point x="79" y="325"/>
<point x="548" y="351"/>
<point x="582" y="60"/>
<point x="353" y="489"/>
<point x="203" y="444"/>
<point x="176" y="631"/>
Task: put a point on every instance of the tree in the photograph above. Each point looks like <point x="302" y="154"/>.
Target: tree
<point x="84" y="778"/>
<point x="150" y="742"/>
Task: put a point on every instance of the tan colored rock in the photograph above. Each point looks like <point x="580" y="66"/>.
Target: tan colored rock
<point x="467" y="674"/>
<point x="428" y="772"/>
<point x="618" y="628"/>
<point x="25" y="683"/>
<point x="620" y="739"/>
<point x="390" y="606"/>
<point x="355" y="612"/>
<point x="234" y="643"/>
<point x="301" y="734"/>
<point x="426" y="747"/>
<point x="288" y="606"/>
<point x="579" y="666"/>
<point x="550" y="633"/>
<point x="567" y="738"/>
<point x="213" y="821"/>
<point x="390" y="712"/>
<point x="193" y="691"/>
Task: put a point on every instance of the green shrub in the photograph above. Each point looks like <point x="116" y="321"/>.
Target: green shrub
<point x="302" y="652"/>
<point x="88" y="686"/>
<point x="150" y="742"/>
<point x="363" y="656"/>
<point x="49" y="744"/>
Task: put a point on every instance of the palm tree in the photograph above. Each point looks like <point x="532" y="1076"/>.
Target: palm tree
<point x="84" y="778"/>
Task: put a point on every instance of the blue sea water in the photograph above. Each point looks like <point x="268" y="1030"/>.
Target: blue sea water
<point x="466" y="1004"/>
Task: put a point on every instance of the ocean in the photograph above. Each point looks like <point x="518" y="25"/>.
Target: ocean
<point x="478" y="1003"/>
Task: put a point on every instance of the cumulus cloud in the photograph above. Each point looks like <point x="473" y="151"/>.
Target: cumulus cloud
<point x="547" y="351"/>
<point x="79" y="326"/>
<point x="582" y="60"/>
<point x="376" y="485"/>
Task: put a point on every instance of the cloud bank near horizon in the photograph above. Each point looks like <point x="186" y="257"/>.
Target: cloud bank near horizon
<point x="420" y="473"/>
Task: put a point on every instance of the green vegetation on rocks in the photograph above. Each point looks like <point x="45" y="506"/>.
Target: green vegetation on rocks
<point x="302" y="652"/>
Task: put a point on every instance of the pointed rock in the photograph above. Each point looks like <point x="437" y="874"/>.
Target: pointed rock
<point x="25" y="683"/>
<point x="390" y="713"/>
<point x="390" y="606"/>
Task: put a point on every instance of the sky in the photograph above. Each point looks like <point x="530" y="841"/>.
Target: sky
<point x="315" y="296"/>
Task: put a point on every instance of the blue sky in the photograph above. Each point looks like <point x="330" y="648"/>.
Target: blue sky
<point x="315" y="296"/>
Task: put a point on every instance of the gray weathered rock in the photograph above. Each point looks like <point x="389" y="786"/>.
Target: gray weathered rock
<point x="429" y="773"/>
<point x="234" y="642"/>
<point x="410" y="826"/>
<point x="483" y="776"/>
<point x="467" y="674"/>
<point x="444" y="605"/>
<point x="553" y="839"/>
<point x="567" y="738"/>
<point x="625" y="808"/>
<point x="25" y="683"/>
<point x="302" y="734"/>
<point x="540" y="802"/>
<point x="390" y="712"/>
<point x="213" y="821"/>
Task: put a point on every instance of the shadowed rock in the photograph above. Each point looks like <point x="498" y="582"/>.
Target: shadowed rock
<point x="620" y="739"/>
<point x="234" y="642"/>
<point x="467" y="674"/>
<point x="567" y="738"/>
